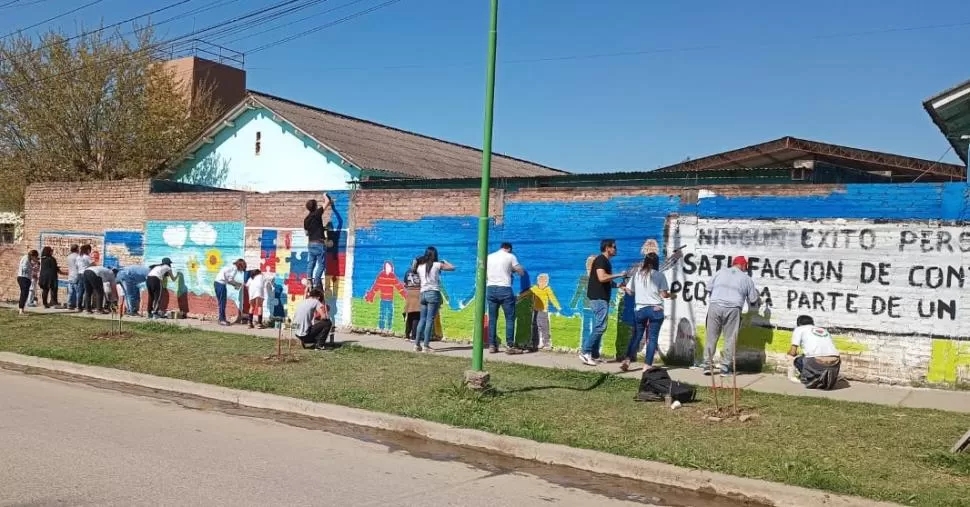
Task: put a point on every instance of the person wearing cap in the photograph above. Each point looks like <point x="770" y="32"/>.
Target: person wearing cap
<point x="728" y="291"/>
<point x="156" y="277"/>
<point x="227" y="276"/>
<point x="130" y="278"/>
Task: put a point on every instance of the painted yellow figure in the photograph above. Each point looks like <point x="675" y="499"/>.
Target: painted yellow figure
<point x="543" y="299"/>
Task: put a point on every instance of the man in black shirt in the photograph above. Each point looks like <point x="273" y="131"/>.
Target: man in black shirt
<point x="316" y="237"/>
<point x="598" y="291"/>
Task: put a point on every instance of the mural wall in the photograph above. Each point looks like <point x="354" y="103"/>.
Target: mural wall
<point x="199" y="250"/>
<point x="888" y="279"/>
<point x="555" y="252"/>
<point x="282" y="252"/>
<point x="123" y="248"/>
<point x="61" y="241"/>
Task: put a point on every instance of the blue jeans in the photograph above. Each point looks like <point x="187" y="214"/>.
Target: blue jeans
<point x="600" y="309"/>
<point x="316" y="263"/>
<point x="430" y="304"/>
<point x="132" y="296"/>
<point x="386" y="315"/>
<point x="495" y="297"/>
<point x="648" y="321"/>
<point x="222" y="295"/>
<point x="75" y="291"/>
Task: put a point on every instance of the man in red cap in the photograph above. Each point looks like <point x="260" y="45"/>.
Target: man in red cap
<point x="728" y="291"/>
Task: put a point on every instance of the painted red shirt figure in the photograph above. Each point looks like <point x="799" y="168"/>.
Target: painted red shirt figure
<point x="385" y="285"/>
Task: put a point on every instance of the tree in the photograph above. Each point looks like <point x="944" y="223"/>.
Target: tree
<point x="95" y="107"/>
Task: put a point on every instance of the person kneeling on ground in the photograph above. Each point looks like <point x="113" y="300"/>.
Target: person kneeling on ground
<point x="311" y="321"/>
<point x="818" y="365"/>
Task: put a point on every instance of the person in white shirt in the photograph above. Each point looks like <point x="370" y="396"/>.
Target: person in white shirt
<point x="72" y="278"/>
<point x="96" y="278"/>
<point x="819" y="363"/>
<point x="498" y="292"/>
<point x="82" y="262"/>
<point x="256" y="288"/>
<point x="429" y="270"/>
<point x="649" y="288"/>
<point x="156" y="278"/>
<point x="227" y="276"/>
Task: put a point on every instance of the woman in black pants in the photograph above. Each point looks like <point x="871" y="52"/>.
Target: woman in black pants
<point x="94" y="289"/>
<point x="156" y="275"/>
<point x="48" y="277"/>
<point x="27" y="263"/>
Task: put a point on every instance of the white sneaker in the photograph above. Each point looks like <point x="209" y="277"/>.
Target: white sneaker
<point x="587" y="360"/>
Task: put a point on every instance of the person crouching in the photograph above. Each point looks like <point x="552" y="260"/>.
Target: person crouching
<point x="819" y="363"/>
<point x="311" y="321"/>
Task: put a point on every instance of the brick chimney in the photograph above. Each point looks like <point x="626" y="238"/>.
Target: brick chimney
<point x="227" y="83"/>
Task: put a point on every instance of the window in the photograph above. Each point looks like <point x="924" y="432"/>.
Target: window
<point x="258" y="137"/>
<point x="7" y="232"/>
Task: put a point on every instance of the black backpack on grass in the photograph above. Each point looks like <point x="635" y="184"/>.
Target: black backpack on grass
<point x="656" y="383"/>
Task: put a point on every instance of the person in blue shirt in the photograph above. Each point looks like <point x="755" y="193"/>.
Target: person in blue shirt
<point x="130" y="278"/>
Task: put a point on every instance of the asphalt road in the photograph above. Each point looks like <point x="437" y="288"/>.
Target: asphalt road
<point x="71" y="444"/>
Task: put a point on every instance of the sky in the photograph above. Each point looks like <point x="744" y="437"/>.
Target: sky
<point x="604" y="85"/>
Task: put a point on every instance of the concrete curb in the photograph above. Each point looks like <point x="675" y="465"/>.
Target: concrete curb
<point x="780" y="495"/>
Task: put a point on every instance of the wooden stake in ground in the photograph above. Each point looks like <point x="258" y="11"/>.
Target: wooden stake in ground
<point x="962" y="445"/>
<point x="734" y="373"/>
<point x="279" y="343"/>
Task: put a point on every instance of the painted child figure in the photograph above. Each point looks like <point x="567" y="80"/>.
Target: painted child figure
<point x="543" y="300"/>
<point x="256" y="290"/>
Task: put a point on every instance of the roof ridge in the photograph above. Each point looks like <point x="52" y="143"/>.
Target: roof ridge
<point x="389" y="127"/>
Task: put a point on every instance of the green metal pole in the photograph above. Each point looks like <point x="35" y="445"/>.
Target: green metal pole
<point x="478" y="348"/>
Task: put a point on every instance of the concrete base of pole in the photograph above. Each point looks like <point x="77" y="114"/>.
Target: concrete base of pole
<point x="477" y="380"/>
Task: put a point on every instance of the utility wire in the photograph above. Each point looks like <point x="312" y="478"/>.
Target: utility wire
<point x="322" y="27"/>
<point x="643" y="52"/>
<point x="254" y="34"/>
<point x="52" y="18"/>
<point x="172" y="43"/>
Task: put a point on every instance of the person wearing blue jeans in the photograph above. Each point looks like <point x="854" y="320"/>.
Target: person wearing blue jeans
<point x="649" y="288"/>
<point x="316" y="241"/>
<point x="498" y="292"/>
<point x="599" y="292"/>
<point x="226" y="277"/>
<point x="131" y="279"/>
<point x="429" y="270"/>
<point x="72" y="278"/>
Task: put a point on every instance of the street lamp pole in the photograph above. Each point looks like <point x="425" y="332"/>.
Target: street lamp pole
<point x="477" y="378"/>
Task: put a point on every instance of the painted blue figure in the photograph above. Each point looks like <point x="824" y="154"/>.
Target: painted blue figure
<point x="580" y="302"/>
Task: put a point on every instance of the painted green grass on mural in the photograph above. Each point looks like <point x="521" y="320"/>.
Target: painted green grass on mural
<point x="458" y="325"/>
<point x="868" y="450"/>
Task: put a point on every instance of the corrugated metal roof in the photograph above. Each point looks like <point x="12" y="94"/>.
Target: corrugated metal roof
<point x="953" y="117"/>
<point x="376" y="147"/>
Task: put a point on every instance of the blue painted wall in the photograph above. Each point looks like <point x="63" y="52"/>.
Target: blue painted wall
<point x="285" y="161"/>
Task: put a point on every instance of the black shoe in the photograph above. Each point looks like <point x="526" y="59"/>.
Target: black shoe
<point x="493" y="350"/>
<point x="513" y="350"/>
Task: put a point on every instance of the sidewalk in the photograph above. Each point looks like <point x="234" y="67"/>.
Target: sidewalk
<point x="897" y="396"/>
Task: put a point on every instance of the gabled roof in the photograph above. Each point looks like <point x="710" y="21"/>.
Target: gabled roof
<point x="785" y="151"/>
<point x="950" y="111"/>
<point x="376" y="148"/>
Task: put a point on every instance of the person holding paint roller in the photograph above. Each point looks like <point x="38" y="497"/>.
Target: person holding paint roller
<point x="729" y="290"/>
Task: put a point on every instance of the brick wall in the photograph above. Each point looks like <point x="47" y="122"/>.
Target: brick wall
<point x="882" y="266"/>
<point x="555" y="233"/>
<point x="9" y="262"/>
